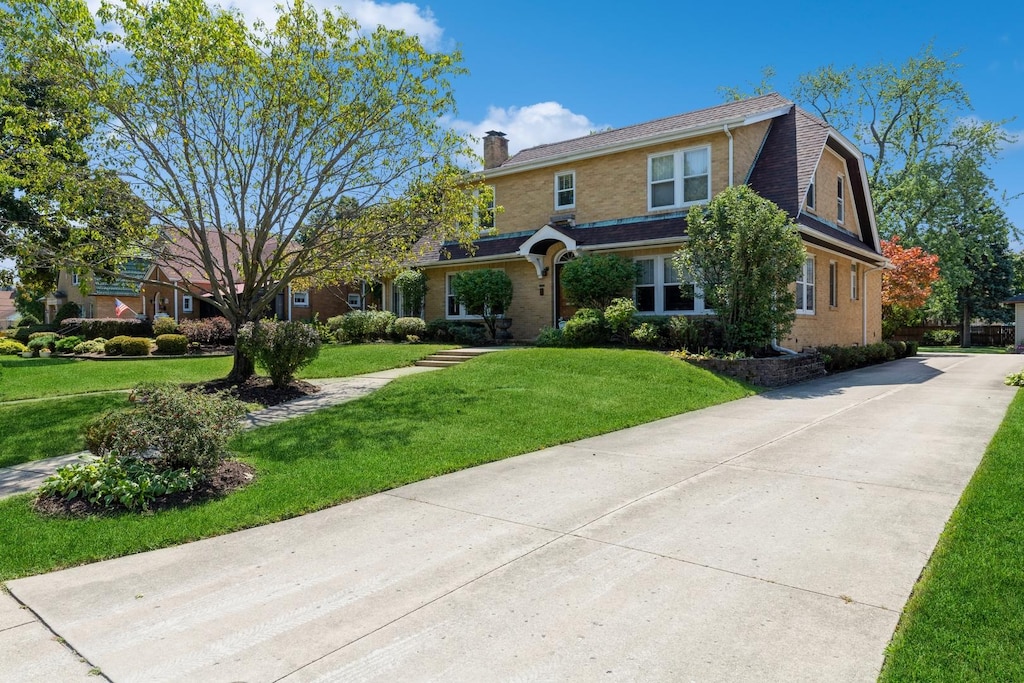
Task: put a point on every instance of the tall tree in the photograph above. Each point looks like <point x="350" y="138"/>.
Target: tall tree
<point x="905" y="288"/>
<point x="306" y="152"/>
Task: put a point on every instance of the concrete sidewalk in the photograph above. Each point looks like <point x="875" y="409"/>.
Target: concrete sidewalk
<point x="772" y="538"/>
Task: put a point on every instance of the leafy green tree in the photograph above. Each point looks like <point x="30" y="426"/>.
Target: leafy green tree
<point x="412" y="285"/>
<point x="595" y="280"/>
<point x="306" y="152"/>
<point x="745" y="253"/>
<point x="485" y="292"/>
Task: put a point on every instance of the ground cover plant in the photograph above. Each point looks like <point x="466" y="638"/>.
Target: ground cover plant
<point x="476" y="411"/>
<point x="965" y="618"/>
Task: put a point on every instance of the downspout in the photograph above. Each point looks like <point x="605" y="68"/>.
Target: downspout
<point x="726" y="129"/>
<point x="782" y="349"/>
<point x="864" y="304"/>
<point x="177" y="295"/>
<point x="289" y="295"/>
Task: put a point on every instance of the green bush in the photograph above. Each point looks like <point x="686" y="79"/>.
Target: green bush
<point x="550" y="336"/>
<point x="112" y="482"/>
<point x="135" y="346"/>
<point x="24" y="334"/>
<point x="911" y="348"/>
<point x="68" y="309"/>
<point x="646" y="335"/>
<point x="941" y="338"/>
<point x="164" y="326"/>
<point x="362" y="326"/>
<point x="97" y="345"/>
<point x="594" y="280"/>
<point x="899" y="348"/>
<point x="402" y="328"/>
<point x="586" y="328"/>
<point x="11" y="347"/>
<point x="841" y="358"/>
<point x="437" y="330"/>
<point x="28" y="320"/>
<point x="172" y="344"/>
<point x="115" y="346"/>
<point x="42" y="341"/>
<point x="468" y="334"/>
<point x="67" y="344"/>
<point x="621" y="317"/>
<point x="323" y="330"/>
<point x="91" y="328"/>
<point x="282" y="348"/>
<point x="484" y="292"/>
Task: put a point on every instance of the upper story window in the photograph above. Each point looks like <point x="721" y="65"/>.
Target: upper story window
<point x="300" y="298"/>
<point x="805" y="287"/>
<point x="810" y="196"/>
<point x="679" y="178"/>
<point x="486" y="217"/>
<point x="660" y="288"/>
<point x="75" y="279"/>
<point x="840" y="200"/>
<point x="565" y="190"/>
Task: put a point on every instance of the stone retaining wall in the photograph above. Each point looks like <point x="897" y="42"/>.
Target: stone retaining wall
<point x="769" y="372"/>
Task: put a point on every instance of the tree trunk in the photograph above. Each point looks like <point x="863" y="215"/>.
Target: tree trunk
<point x="965" y="328"/>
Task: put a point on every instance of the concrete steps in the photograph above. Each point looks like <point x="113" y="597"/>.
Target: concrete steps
<point x="445" y="359"/>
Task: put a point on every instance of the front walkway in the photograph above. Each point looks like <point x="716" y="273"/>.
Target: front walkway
<point x="772" y="538"/>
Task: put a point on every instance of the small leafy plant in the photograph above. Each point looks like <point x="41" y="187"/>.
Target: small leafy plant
<point x="1015" y="380"/>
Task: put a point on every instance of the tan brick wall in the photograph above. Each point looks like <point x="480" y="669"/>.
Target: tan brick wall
<point x="830" y="167"/>
<point x="840" y="324"/>
<point x="614" y="186"/>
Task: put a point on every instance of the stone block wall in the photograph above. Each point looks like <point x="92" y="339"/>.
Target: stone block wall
<point x="768" y="372"/>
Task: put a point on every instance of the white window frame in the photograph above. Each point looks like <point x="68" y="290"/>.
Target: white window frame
<point x="354" y="300"/>
<point x="840" y="200"/>
<point x="854" y="281"/>
<point x="186" y="303"/>
<point x="805" y="285"/>
<point x="811" y="197"/>
<point x="300" y="299"/>
<point x="75" y="279"/>
<point x="659" y="285"/>
<point x="678" y="178"/>
<point x="833" y="284"/>
<point x="572" y="188"/>
<point x="449" y="300"/>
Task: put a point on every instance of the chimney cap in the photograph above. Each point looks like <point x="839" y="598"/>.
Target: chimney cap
<point x="497" y="133"/>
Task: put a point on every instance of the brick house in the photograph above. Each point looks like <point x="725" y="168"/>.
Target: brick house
<point x="151" y="288"/>
<point x="627" y="191"/>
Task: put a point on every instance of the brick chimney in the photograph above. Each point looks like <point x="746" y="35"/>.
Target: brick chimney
<point x="495" y="149"/>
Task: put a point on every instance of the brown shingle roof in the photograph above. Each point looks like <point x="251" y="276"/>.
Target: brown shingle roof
<point x="679" y="123"/>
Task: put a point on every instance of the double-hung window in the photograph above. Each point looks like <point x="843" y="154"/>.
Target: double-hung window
<point x="565" y="190"/>
<point x="660" y="288"/>
<point x="840" y="200"/>
<point x="453" y="308"/>
<point x="300" y="299"/>
<point x="186" y="303"/>
<point x="679" y="178"/>
<point x="854" y="282"/>
<point x="805" y="287"/>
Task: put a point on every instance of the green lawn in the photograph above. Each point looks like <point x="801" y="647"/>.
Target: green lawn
<point x="39" y="377"/>
<point x="42" y="429"/>
<point x="417" y="427"/>
<point x="957" y="349"/>
<point x="965" y="619"/>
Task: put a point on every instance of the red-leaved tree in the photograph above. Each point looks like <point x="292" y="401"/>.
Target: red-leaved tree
<point x="906" y="288"/>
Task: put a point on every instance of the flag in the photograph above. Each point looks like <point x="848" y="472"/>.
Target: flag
<point x="120" y="307"/>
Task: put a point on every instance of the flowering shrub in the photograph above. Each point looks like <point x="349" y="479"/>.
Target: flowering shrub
<point x="281" y="348"/>
<point x="361" y="326"/>
<point x="97" y="345"/>
<point x="1015" y="380"/>
<point x="620" y="316"/>
<point x="646" y="335"/>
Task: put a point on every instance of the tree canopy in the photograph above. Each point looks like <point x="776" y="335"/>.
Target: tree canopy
<point x="305" y="152"/>
<point x="486" y="292"/>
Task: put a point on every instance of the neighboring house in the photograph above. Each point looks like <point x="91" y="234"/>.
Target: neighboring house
<point x="9" y="315"/>
<point x="160" y="295"/>
<point x="627" y="191"/>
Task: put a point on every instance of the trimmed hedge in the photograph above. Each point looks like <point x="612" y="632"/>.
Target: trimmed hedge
<point x="172" y="344"/>
<point x="840" y="358"/>
<point x="91" y="328"/>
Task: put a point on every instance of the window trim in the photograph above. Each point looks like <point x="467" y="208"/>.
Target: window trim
<point x="300" y="298"/>
<point x="448" y="297"/>
<point x="833" y="284"/>
<point x="186" y="303"/>
<point x="678" y="179"/>
<point x="840" y="199"/>
<point x="572" y="204"/>
<point x="811" y="200"/>
<point x="76" y="280"/>
<point x="659" y="285"/>
<point x="480" y="221"/>
<point x="802" y="279"/>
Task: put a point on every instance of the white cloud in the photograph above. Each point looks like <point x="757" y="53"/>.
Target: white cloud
<point x="532" y="125"/>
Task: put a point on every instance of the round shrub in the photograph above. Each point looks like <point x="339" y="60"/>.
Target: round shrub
<point x="135" y="346"/>
<point x="172" y="344"/>
<point x="67" y="310"/>
<point x="550" y="336"/>
<point x="586" y="328"/>
<point x="361" y="326"/>
<point x="27" y="320"/>
<point x="115" y="346"/>
<point x="10" y="347"/>
<point x="164" y="326"/>
<point x="67" y="344"/>
<point x="42" y="341"/>
<point x="646" y="335"/>
<point x="92" y="346"/>
<point x="621" y="317"/>
<point x="281" y="348"/>
<point x="594" y="280"/>
<point x="403" y="328"/>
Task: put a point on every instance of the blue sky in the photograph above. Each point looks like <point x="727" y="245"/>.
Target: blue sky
<point x="545" y="71"/>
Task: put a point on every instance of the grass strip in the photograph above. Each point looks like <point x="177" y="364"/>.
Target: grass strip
<point x="965" y="618"/>
<point x="43" y="429"/>
<point x="420" y="426"/>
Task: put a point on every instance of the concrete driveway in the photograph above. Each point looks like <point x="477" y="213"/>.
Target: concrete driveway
<point x="773" y="538"/>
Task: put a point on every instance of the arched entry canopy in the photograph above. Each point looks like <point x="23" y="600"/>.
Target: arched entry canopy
<point x="534" y="248"/>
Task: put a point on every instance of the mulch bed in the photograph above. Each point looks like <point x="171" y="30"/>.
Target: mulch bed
<point x="230" y="475"/>
<point x="258" y="390"/>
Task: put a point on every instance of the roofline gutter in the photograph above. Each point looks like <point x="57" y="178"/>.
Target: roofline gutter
<point x="734" y="122"/>
<point x="873" y="256"/>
